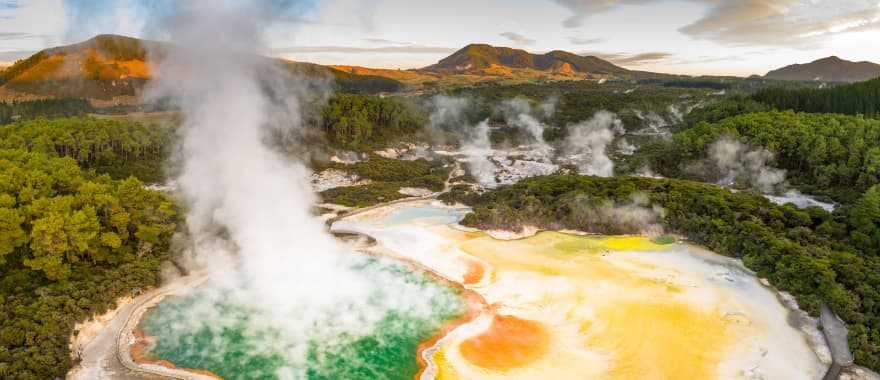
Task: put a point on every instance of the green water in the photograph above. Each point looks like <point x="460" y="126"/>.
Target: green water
<point x="225" y="342"/>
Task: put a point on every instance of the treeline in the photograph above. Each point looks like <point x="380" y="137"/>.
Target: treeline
<point x="861" y="98"/>
<point x="728" y="106"/>
<point x="71" y="243"/>
<point x="361" y="122"/>
<point x="118" y="148"/>
<point x="810" y="253"/>
<point x="828" y="154"/>
<point x="364" y="84"/>
<point x="26" y="110"/>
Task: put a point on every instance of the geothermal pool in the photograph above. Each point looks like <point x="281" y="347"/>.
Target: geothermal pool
<point x="553" y="305"/>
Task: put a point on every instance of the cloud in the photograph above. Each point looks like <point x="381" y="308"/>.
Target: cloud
<point x="585" y="41"/>
<point x="582" y="9"/>
<point x="783" y="22"/>
<point x="632" y="59"/>
<point x="517" y="38"/>
<point x="756" y="22"/>
<point x="410" y="49"/>
<point x="386" y="42"/>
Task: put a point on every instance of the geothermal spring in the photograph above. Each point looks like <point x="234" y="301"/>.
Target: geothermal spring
<point x="552" y="305"/>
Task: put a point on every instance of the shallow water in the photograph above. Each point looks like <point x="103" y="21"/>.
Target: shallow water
<point x="560" y="306"/>
<point x="206" y="330"/>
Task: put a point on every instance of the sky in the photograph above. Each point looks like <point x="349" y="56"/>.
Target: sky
<point x="697" y="37"/>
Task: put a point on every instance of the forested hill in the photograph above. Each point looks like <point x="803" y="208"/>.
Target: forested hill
<point x="830" y="69"/>
<point x="113" y="68"/>
<point x="486" y="59"/>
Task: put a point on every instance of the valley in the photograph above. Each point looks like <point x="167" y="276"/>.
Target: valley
<point x="328" y="190"/>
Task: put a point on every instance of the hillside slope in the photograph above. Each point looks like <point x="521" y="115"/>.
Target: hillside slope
<point x="480" y="57"/>
<point x="111" y="69"/>
<point x="830" y="69"/>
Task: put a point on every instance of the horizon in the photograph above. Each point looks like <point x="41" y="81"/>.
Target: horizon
<point x="690" y="37"/>
<point x="4" y="64"/>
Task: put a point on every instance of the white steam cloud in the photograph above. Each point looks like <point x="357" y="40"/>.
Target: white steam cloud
<point x="477" y="149"/>
<point x="737" y="163"/>
<point x="588" y="141"/>
<point x="247" y="206"/>
<point x="636" y="216"/>
<point x="518" y="113"/>
<point x="448" y="113"/>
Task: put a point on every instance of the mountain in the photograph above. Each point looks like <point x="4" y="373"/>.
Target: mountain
<point x="111" y="69"/>
<point x="831" y="69"/>
<point x="481" y="58"/>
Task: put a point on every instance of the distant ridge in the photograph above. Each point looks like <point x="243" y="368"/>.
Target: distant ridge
<point x="110" y="70"/>
<point x="483" y="59"/>
<point x="830" y="69"/>
<point x="475" y="57"/>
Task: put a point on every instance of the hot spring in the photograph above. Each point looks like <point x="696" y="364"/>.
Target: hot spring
<point x="560" y="305"/>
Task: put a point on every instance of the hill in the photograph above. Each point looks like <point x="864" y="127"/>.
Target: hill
<point x="111" y="69"/>
<point x="477" y="58"/>
<point x="830" y="69"/>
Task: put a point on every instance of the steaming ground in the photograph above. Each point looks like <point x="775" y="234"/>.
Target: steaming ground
<point x="218" y="328"/>
<point x="248" y="206"/>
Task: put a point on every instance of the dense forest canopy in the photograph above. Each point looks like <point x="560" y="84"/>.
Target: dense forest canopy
<point x="70" y="243"/>
<point x="862" y="98"/>
<point x="810" y="253"/>
<point x="118" y="148"/>
<point x="361" y="122"/>
<point x="26" y="110"/>
<point x="828" y="154"/>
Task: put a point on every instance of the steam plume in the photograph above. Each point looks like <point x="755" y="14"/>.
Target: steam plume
<point x="518" y="113"/>
<point x="248" y="206"/>
<point x="448" y="113"/>
<point x="587" y="142"/>
<point x="740" y="164"/>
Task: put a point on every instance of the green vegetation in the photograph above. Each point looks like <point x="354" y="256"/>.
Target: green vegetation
<point x="861" y="98"/>
<point x="71" y="243"/>
<point x="361" y="122"/>
<point x="117" y="148"/>
<point x="833" y="155"/>
<point x="388" y="177"/>
<point x="577" y="101"/>
<point x="26" y="110"/>
<point x="364" y="84"/>
<point x="364" y="195"/>
<point x="729" y="106"/>
<point x="810" y="253"/>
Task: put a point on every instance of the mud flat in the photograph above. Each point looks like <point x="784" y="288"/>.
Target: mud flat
<point x="575" y="307"/>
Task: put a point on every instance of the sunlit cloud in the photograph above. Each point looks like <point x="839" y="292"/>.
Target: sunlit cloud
<point x="418" y="49"/>
<point x="798" y="23"/>
<point x="632" y="59"/>
<point x="585" y="41"/>
<point x="517" y="38"/>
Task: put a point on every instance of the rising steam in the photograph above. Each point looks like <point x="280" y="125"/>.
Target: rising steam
<point x="518" y="113"/>
<point x="588" y="140"/>
<point x="248" y="207"/>
<point x="449" y="114"/>
<point x="739" y="164"/>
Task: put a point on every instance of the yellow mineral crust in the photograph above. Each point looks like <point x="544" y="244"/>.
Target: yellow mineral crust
<point x="575" y="307"/>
